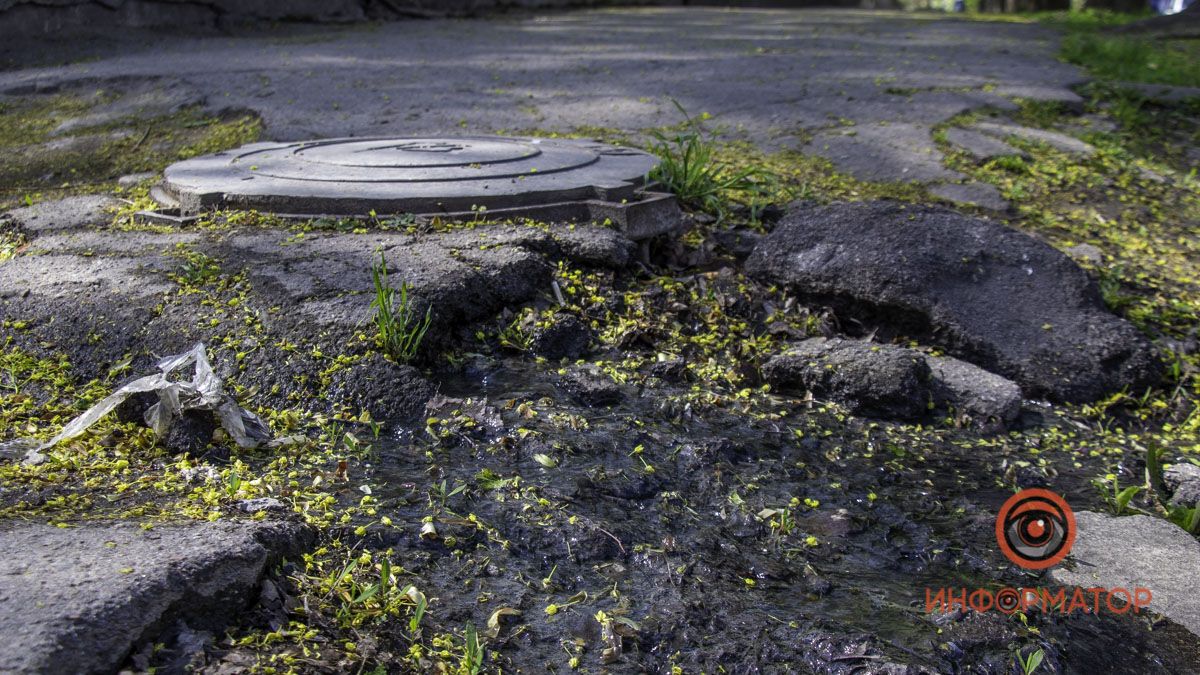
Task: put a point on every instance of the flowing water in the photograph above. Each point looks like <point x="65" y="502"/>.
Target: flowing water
<point x="730" y="540"/>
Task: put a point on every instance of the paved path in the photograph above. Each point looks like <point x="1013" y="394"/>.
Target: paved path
<point x="780" y="78"/>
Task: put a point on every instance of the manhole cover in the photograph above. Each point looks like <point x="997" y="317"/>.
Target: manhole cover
<point x="550" y="179"/>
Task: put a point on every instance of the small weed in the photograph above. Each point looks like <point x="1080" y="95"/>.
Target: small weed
<point x="440" y="492"/>
<point x="1186" y="517"/>
<point x="400" y="331"/>
<point x="1111" y="290"/>
<point x="233" y="483"/>
<point x="420" y="604"/>
<point x="1122" y="497"/>
<point x="197" y="268"/>
<point x="363" y="592"/>
<point x="1126" y="109"/>
<point x="472" y="662"/>
<point x="351" y="445"/>
<point x="1029" y="664"/>
<point x="1011" y="164"/>
<point x="780" y="521"/>
<point x="691" y="169"/>
<point x="1040" y="113"/>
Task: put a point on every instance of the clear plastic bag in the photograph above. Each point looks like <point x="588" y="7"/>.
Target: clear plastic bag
<point x="205" y="391"/>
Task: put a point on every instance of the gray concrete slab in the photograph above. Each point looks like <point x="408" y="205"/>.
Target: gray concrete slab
<point x="774" y="77"/>
<point x="1054" y="139"/>
<point x="64" y="214"/>
<point x="78" y="600"/>
<point x="884" y="152"/>
<point x="1137" y="551"/>
<point x="314" y="286"/>
<point x="980" y="146"/>
<point x="983" y="195"/>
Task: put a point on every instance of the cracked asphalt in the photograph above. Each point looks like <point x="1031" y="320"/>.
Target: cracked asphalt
<point x="861" y="88"/>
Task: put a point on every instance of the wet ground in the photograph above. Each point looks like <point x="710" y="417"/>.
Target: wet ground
<point x="645" y="504"/>
<point x="800" y="541"/>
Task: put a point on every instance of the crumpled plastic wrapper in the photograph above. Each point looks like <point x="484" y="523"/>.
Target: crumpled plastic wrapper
<point x="205" y="391"/>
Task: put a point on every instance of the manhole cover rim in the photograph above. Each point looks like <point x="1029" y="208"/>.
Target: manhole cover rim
<point x="601" y="171"/>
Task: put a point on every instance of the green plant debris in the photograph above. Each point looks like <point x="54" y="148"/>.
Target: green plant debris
<point x="195" y="269"/>
<point x="11" y="243"/>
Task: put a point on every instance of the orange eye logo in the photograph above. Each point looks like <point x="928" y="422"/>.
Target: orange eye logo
<point x="1035" y="528"/>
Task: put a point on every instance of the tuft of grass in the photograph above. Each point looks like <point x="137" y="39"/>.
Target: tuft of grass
<point x="360" y="592"/>
<point x="1112" y="56"/>
<point x="1127" y="58"/>
<point x="692" y="169"/>
<point x="400" y="329"/>
<point x="1134" y="59"/>
<point x="1011" y="163"/>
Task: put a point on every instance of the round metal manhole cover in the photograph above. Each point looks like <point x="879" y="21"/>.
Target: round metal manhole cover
<point x="351" y="176"/>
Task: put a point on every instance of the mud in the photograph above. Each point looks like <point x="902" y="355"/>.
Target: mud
<point x="684" y="552"/>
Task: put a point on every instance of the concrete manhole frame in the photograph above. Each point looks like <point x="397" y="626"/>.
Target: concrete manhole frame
<point x="453" y="178"/>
